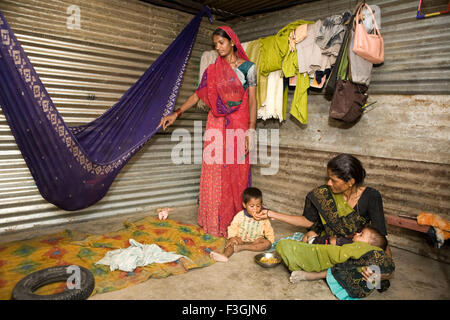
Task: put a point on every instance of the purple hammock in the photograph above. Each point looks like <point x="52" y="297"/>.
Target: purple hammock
<point x="74" y="166"/>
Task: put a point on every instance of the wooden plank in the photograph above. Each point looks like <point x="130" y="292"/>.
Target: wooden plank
<point x="405" y="223"/>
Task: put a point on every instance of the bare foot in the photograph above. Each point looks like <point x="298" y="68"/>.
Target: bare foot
<point x="298" y="275"/>
<point x="218" y="257"/>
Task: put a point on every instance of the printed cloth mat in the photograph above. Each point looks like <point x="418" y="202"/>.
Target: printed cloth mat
<point x="20" y="258"/>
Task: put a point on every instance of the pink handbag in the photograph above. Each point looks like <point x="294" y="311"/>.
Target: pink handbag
<point x="368" y="46"/>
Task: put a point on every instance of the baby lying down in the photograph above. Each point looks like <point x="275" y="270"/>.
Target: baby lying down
<point x="343" y="263"/>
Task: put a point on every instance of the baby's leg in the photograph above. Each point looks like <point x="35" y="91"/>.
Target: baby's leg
<point x="229" y="250"/>
<point x="300" y="275"/>
<point x="259" y="244"/>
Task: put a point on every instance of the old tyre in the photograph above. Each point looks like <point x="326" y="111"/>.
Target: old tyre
<point x="84" y="284"/>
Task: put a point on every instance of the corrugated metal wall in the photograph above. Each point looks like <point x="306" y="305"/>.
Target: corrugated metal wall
<point x="404" y="141"/>
<point x="417" y="51"/>
<point x="86" y="71"/>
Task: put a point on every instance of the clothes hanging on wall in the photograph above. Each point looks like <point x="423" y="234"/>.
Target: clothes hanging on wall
<point x="272" y="107"/>
<point x="330" y="30"/>
<point x="308" y="51"/>
<point x="360" y="68"/>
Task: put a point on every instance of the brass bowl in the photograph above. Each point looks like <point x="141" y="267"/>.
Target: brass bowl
<point x="267" y="255"/>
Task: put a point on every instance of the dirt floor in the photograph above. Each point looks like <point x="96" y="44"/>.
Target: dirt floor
<point x="416" y="277"/>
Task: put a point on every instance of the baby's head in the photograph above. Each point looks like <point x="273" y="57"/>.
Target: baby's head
<point x="371" y="236"/>
<point x="252" y="201"/>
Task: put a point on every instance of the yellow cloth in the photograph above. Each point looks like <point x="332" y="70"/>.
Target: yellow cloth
<point x="298" y="255"/>
<point x="254" y="54"/>
<point x="299" y="108"/>
<point x="287" y="56"/>
<point x="249" y="229"/>
<point x="18" y="259"/>
<point x="297" y="35"/>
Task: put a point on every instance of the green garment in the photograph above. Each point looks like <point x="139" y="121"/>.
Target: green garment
<point x="299" y="107"/>
<point x="270" y="55"/>
<point x="275" y="55"/>
<point x="254" y="54"/>
<point x="319" y="257"/>
<point x="337" y="218"/>
<point x="344" y="65"/>
<point x="288" y="58"/>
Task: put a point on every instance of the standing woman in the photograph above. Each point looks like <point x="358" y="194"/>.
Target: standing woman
<point x="228" y="87"/>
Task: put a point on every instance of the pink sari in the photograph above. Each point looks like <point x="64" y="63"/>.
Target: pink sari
<point x="222" y="184"/>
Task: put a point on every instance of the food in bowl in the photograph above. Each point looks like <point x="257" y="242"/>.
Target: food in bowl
<point x="268" y="259"/>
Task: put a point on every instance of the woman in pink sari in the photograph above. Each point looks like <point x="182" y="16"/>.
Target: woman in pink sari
<point x="228" y="87"/>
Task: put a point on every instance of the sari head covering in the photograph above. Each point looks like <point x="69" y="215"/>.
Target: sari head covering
<point x="222" y="184"/>
<point x="220" y="87"/>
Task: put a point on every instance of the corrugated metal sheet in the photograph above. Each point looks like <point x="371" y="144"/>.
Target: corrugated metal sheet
<point x="86" y="71"/>
<point x="417" y="55"/>
<point x="403" y="141"/>
<point x="407" y="187"/>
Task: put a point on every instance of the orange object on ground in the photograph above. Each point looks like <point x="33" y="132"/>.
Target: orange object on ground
<point x="431" y="219"/>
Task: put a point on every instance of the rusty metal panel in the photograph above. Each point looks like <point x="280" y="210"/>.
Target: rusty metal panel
<point x="417" y="55"/>
<point x="407" y="187"/>
<point x="86" y="71"/>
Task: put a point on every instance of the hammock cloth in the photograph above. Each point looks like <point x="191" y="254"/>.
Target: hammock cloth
<point x="74" y="166"/>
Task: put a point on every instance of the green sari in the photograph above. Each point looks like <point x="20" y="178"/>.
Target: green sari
<point x="319" y="257"/>
<point x="345" y="261"/>
<point x="337" y="218"/>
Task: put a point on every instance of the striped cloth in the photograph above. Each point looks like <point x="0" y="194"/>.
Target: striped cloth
<point x="296" y="236"/>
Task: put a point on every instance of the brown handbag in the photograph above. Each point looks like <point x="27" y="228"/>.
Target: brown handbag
<point x="348" y="101"/>
<point x="349" y="98"/>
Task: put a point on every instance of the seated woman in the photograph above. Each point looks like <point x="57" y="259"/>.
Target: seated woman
<point x="342" y="207"/>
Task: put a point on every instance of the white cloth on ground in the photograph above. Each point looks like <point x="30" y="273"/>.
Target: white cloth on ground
<point x="137" y="255"/>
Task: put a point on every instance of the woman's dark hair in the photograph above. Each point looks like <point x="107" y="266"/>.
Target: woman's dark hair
<point x="221" y="33"/>
<point x="345" y="166"/>
<point x="251" y="193"/>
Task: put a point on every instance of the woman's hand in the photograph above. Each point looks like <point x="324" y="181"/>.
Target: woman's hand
<point x="167" y="121"/>
<point x="367" y="273"/>
<point x="263" y="214"/>
<point x="249" y="140"/>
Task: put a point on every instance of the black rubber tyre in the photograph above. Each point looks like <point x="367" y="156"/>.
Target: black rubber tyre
<point x="25" y="287"/>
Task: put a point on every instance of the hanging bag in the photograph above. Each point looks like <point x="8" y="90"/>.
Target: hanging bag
<point x="348" y="98"/>
<point x="368" y="46"/>
<point x="331" y="83"/>
<point x="348" y="101"/>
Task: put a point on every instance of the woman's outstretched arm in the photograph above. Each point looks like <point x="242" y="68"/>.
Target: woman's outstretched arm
<point x="299" y="221"/>
<point x="170" y="119"/>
